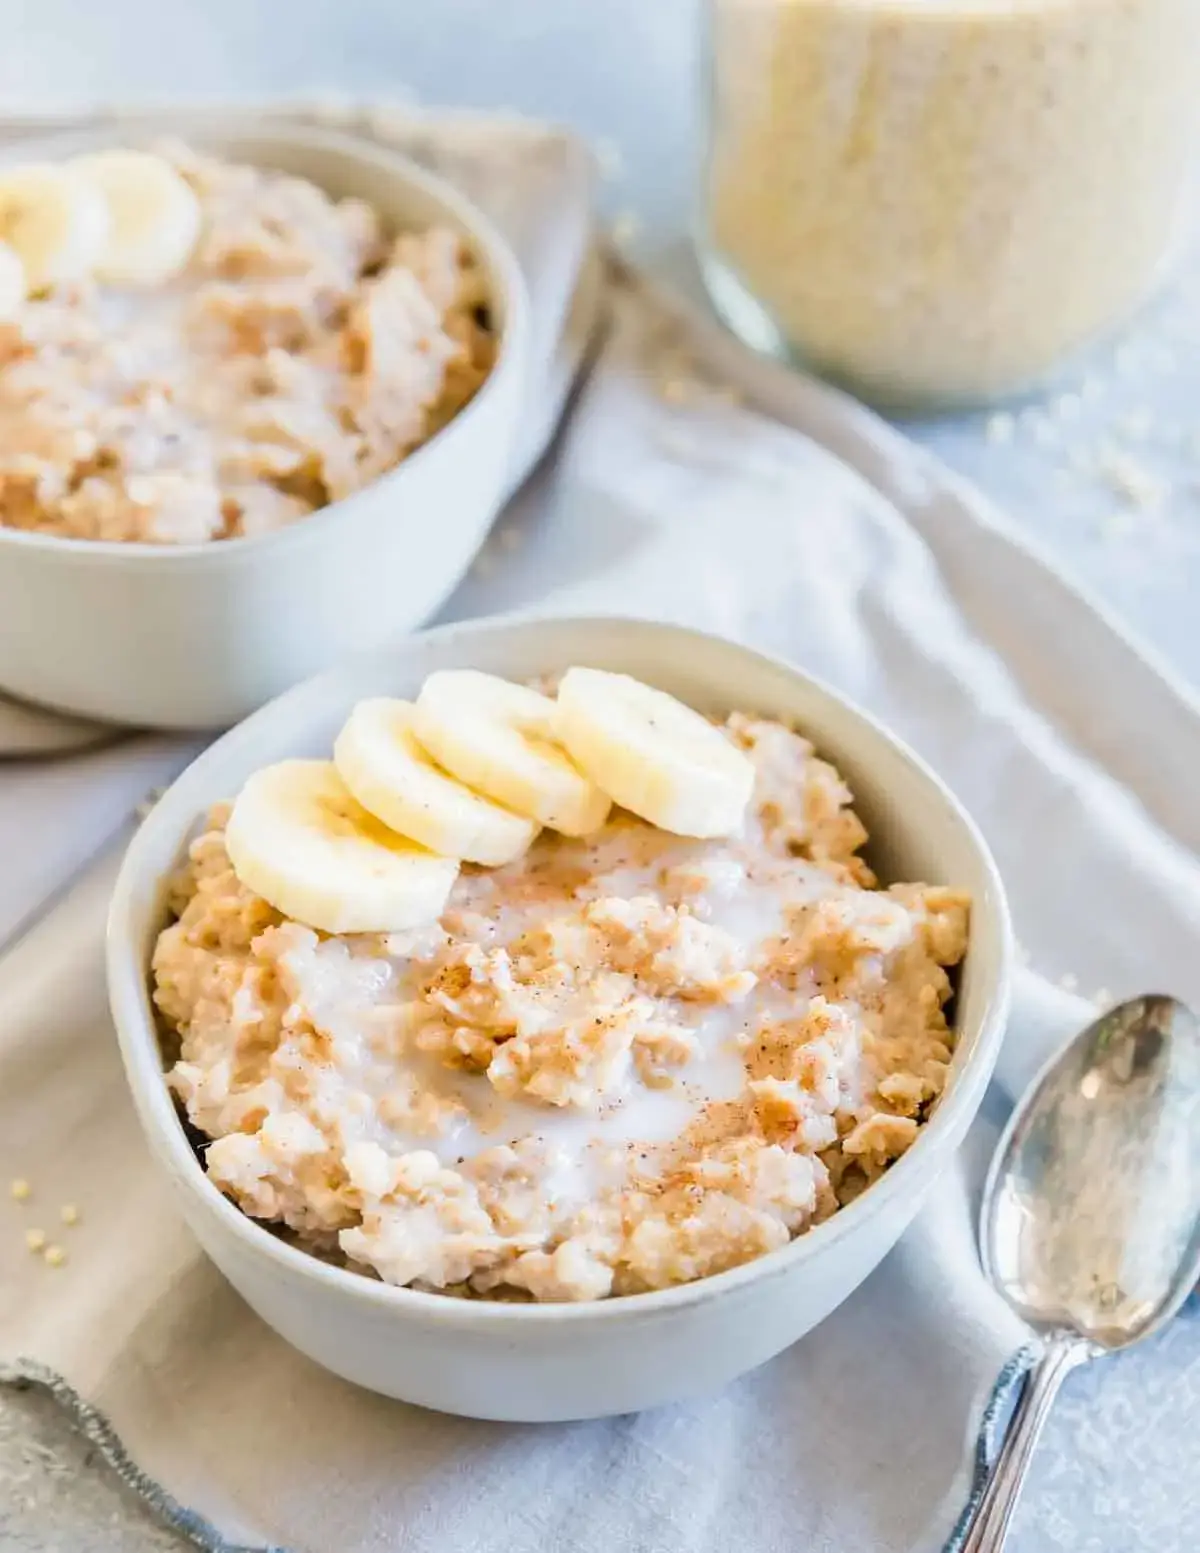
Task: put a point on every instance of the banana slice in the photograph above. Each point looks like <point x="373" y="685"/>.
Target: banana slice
<point x="154" y="215"/>
<point x="12" y="282"/>
<point x="297" y="838"/>
<point x="379" y="759"/>
<point x="499" y="738"/>
<point x="653" y="755"/>
<point x="56" y="223"/>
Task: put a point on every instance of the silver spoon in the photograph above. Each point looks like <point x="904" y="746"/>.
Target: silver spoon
<point x="1090" y="1224"/>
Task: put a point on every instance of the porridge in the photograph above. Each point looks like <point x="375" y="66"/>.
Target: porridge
<point x="618" y="1061"/>
<point x="238" y="351"/>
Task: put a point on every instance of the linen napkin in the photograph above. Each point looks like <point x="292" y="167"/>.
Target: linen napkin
<point x="799" y="523"/>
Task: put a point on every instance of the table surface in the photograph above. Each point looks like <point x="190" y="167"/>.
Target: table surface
<point x="1103" y="471"/>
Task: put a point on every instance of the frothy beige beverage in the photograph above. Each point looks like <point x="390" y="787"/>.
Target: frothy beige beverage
<point x="935" y="200"/>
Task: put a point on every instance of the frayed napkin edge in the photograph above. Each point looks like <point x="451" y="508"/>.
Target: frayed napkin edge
<point x="90" y="1422"/>
<point x="996" y="1409"/>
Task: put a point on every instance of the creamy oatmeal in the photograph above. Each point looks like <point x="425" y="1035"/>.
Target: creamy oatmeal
<point x="301" y="353"/>
<point x="616" y="1064"/>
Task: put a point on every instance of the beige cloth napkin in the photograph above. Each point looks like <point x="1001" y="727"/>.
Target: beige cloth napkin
<point x="797" y="522"/>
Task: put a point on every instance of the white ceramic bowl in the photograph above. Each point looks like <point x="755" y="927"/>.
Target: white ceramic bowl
<point x="197" y="636"/>
<point x="542" y="1362"/>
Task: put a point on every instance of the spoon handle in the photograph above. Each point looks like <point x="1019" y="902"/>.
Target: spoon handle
<point x="988" y="1529"/>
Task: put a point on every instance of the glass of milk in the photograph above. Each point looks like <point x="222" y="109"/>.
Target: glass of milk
<point x="935" y="201"/>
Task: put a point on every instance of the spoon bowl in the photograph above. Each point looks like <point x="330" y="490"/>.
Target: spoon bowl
<point x="1090" y="1222"/>
<point x="1091" y="1212"/>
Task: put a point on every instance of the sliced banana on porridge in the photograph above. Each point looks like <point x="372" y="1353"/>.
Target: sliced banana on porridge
<point x="154" y="217"/>
<point x="56" y="222"/>
<point x="378" y="757"/>
<point x="371" y="841"/>
<point x="500" y="739"/>
<point x="297" y="837"/>
<point x="13" y="285"/>
<point x="652" y="754"/>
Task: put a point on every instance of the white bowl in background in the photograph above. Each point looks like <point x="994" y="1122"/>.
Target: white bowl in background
<point x="555" y="1362"/>
<point x="197" y="636"/>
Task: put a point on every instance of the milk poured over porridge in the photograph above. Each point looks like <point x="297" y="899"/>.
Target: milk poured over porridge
<point x="620" y="1062"/>
<point x="300" y="352"/>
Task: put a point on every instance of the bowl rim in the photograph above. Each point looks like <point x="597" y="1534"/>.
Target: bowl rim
<point x="145" y="1074"/>
<point x="504" y="274"/>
